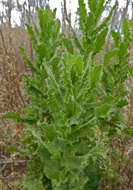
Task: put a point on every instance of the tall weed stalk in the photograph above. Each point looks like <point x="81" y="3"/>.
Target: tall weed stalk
<point x="75" y="110"/>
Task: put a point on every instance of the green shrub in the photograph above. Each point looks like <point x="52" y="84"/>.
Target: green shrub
<point x="76" y="102"/>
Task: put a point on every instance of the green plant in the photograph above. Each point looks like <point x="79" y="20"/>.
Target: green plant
<point x="76" y="103"/>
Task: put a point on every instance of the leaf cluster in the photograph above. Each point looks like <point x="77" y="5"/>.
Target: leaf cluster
<point x="75" y="102"/>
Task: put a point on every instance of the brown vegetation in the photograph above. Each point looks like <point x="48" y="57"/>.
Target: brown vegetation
<point x="12" y="98"/>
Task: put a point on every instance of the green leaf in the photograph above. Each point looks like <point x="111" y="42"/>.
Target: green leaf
<point x="92" y="5"/>
<point x="68" y="44"/>
<point x="52" y="169"/>
<point x="123" y="50"/>
<point x="126" y="29"/>
<point x="28" y="62"/>
<point x="122" y="103"/>
<point x="95" y="75"/>
<point x="79" y="64"/>
<point x="129" y="131"/>
<point x="75" y="38"/>
<point x="105" y="21"/>
<point x="100" y="41"/>
<point x="52" y="79"/>
<point x="117" y="37"/>
<point x="109" y="55"/>
<point x="76" y="64"/>
<point x="42" y="49"/>
<point x="30" y="184"/>
<point x="73" y="163"/>
<point x="12" y="148"/>
<point x="103" y="110"/>
<point x="90" y="23"/>
<point x="99" y="9"/>
<point x="16" y="116"/>
<point x="12" y="115"/>
<point x="35" y="90"/>
<point x="50" y="131"/>
<point x="82" y="13"/>
<point x="32" y="34"/>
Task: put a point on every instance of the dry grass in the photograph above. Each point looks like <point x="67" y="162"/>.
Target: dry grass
<point x="12" y="98"/>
